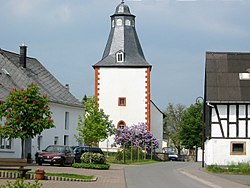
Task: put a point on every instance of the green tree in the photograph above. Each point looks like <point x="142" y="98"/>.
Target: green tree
<point x="191" y="128"/>
<point x="94" y="126"/>
<point x="26" y="114"/>
<point x="172" y="124"/>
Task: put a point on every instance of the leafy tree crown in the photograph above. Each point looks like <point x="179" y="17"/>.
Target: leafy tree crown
<point x="26" y="113"/>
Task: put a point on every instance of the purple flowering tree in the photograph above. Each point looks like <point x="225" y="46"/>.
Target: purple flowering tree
<point x="136" y="136"/>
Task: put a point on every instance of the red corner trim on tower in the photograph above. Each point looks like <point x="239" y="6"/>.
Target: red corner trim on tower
<point x="97" y="83"/>
<point x="147" y="102"/>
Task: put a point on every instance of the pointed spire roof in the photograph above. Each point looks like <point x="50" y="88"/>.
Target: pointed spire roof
<point x="123" y="40"/>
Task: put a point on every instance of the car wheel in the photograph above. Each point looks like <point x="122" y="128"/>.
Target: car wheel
<point x="40" y="163"/>
<point x="63" y="162"/>
<point x="72" y="162"/>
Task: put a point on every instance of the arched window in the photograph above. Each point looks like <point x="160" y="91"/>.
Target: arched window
<point x="127" y="22"/>
<point x="120" y="57"/>
<point x="121" y="124"/>
<point x="119" y="22"/>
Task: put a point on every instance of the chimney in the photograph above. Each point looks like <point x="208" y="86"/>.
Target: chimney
<point x="23" y="55"/>
<point x="67" y="86"/>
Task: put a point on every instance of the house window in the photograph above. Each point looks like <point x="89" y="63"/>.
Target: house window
<point x="66" y="140"/>
<point x="66" y="120"/>
<point x="5" y="143"/>
<point x="121" y="125"/>
<point x="121" y="101"/>
<point x="238" y="148"/>
<point x="119" y="57"/>
<point x="56" y="140"/>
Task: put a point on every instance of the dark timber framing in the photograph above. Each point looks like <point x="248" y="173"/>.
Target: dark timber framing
<point x="246" y="118"/>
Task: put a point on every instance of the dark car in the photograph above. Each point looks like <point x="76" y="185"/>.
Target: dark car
<point x="172" y="156"/>
<point x="83" y="149"/>
<point x="56" y="154"/>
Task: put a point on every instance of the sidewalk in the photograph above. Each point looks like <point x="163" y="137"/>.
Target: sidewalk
<point x="112" y="178"/>
<point x="196" y="172"/>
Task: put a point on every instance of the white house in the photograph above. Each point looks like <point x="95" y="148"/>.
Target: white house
<point x="17" y="71"/>
<point x="122" y="78"/>
<point x="227" y="108"/>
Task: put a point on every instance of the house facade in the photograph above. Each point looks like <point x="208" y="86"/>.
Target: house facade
<point x="122" y="78"/>
<point x="18" y="71"/>
<point x="227" y="108"/>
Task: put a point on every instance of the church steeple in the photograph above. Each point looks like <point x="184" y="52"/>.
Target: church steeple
<point x="123" y="47"/>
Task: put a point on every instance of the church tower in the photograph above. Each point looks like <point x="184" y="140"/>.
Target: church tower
<point x="122" y="76"/>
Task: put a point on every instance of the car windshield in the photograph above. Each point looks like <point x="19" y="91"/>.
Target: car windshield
<point x="172" y="153"/>
<point x="58" y="149"/>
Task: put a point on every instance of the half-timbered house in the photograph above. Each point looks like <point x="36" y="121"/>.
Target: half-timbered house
<point x="227" y="108"/>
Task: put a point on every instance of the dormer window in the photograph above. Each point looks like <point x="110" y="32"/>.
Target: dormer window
<point x="119" y="57"/>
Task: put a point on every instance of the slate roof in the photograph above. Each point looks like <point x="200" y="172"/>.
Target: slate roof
<point x="13" y="75"/>
<point x="123" y="38"/>
<point x="222" y="77"/>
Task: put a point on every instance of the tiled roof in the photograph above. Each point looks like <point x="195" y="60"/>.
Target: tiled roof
<point x="222" y="80"/>
<point x="13" y="75"/>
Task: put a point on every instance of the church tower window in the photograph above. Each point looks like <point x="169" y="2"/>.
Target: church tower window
<point x="120" y="57"/>
<point x="119" y="22"/>
<point x="121" y="125"/>
<point x="122" y="101"/>
<point x="127" y="22"/>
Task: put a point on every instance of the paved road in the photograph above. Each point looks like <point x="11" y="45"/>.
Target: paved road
<point x="160" y="175"/>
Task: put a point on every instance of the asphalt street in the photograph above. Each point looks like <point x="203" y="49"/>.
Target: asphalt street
<point x="158" y="175"/>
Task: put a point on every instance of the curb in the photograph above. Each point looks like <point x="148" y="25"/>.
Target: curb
<point x="15" y="175"/>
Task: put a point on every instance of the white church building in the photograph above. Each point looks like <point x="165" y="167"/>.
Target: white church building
<point x="122" y="78"/>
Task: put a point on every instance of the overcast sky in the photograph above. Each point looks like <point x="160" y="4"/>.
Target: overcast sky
<point x="69" y="36"/>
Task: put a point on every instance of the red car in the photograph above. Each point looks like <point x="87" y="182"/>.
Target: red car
<point x="56" y="154"/>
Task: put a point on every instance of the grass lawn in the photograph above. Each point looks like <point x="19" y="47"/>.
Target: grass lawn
<point x="66" y="175"/>
<point x="241" y="168"/>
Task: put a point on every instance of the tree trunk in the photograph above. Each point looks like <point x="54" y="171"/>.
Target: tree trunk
<point x="90" y="148"/>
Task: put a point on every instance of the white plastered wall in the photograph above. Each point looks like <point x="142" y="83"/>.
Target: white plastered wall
<point x="217" y="151"/>
<point x="48" y="135"/>
<point x="58" y="115"/>
<point x="122" y="82"/>
<point x="157" y="125"/>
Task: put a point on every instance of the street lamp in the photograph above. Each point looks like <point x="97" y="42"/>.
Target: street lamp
<point x="201" y="100"/>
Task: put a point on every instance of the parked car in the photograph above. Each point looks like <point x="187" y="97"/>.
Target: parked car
<point x="172" y="156"/>
<point x="83" y="149"/>
<point x="56" y="154"/>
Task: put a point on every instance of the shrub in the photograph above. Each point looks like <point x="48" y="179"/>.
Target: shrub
<point x="91" y="166"/>
<point x="19" y="183"/>
<point x="96" y="158"/>
<point x="119" y="155"/>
